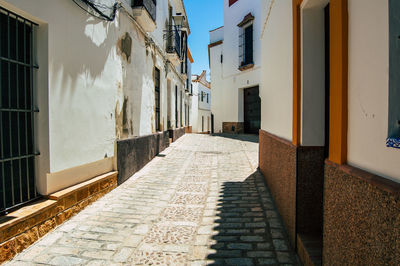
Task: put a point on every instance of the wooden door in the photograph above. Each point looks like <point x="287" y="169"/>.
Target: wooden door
<point x="252" y="110"/>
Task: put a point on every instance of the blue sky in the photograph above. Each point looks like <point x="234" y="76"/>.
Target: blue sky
<point x="203" y="15"/>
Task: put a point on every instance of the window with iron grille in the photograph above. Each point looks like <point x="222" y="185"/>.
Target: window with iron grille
<point x="17" y="70"/>
<point x="157" y="98"/>
<point x="176" y="106"/>
<point x="169" y="34"/>
<point x="184" y="55"/>
<point x="246" y="42"/>
<point x="186" y="115"/>
<point x="172" y="35"/>
<point x="246" y="45"/>
<point x="181" y="109"/>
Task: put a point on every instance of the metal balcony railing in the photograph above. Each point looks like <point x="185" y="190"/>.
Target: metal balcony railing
<point x="149" y="5"/>
<point x="174" y="41"/>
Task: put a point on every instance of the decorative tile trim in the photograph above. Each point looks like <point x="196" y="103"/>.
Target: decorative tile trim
<point x="393" y="143"/>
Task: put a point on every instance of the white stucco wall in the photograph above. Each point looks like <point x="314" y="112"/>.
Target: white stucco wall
<point x="204" y="109"/>
<point x="227" y="80"/>
<point x="233" y="15"/>
<point x="217" y="86"/>
<point x="200" y="108"/>
<point x="195" y="107"/>
<point x="206" y="115"/>
<point x="189" y="98"/>
<point x="204" y="105"/>
<point x="217" y="34"/>
<point x="276" y="88"/>
<point x="368" y="89"/>
<point x="313" y="72"/>
<point x="80" y="61"/>
<point x="83" y="82"/>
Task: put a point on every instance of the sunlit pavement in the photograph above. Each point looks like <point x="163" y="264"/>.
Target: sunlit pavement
<point x="200" y="202"/>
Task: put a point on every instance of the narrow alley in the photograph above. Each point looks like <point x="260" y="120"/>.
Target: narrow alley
<point x="200" y="202"/>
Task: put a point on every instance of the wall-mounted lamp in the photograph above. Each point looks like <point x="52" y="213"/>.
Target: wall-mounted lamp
<point x="179" y="21"/>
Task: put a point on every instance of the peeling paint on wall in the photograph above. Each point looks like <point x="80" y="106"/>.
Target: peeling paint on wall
<point x="122" y="126"/>
<point x="125" y="47"/>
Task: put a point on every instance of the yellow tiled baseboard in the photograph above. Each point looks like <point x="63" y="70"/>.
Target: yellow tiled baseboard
<point x="23" y="227"/>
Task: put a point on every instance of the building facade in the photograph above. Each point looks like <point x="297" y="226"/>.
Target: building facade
<point x="201" y="104"/>
<point x="329" y="138"/>
<point x="95" y="73"/>
<point x="235" y="63"/>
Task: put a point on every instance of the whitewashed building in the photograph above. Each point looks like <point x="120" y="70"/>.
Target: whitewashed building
<point x="330" y="127"/>
<point x="97" y="71"/>
<point x="201" y="104"/>
<point x="235" y="62"/>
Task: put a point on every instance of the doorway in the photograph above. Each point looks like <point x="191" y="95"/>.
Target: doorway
<point x="212" y="123"/>
<point x="315" y="97"/>
<point x="252" y="110"/>
<point x="169" y="104"/>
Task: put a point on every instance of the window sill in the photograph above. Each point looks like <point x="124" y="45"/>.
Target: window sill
<point x="245" y="67"/>
<point x="393" y="143"/>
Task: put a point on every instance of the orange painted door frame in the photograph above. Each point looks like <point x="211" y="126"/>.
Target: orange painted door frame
<point x="339" y="20"/>
<point x="296" y="138"/>
<point x="338" y="79"/>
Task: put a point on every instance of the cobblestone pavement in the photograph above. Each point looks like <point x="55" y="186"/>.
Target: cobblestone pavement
<point x="200" y="202"/>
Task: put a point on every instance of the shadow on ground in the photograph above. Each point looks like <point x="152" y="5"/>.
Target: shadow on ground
<point x="249" y="228"/>
<point x="242" y="137"/>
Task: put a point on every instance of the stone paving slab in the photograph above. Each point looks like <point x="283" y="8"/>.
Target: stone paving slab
<point x="202" y="202"/>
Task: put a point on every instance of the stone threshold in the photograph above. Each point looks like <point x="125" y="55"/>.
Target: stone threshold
<point x="23" y="227"/>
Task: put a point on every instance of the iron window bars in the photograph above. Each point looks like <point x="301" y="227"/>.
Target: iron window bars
<point x="186" y="115"/>
<point x="184" y="55"/>
<point x="176" y="106"/>
<point x="181" y="109"/>
<point x="157" y="98"/>
<point x="173" y="40"/>
<point x="187" y="85"/>
<point x="17" y="92"/>
<point x="246" y="45"/>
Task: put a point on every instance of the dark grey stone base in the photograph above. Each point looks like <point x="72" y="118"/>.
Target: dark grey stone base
<point x="133" y="154"/>
<point x="175" y="134"/>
